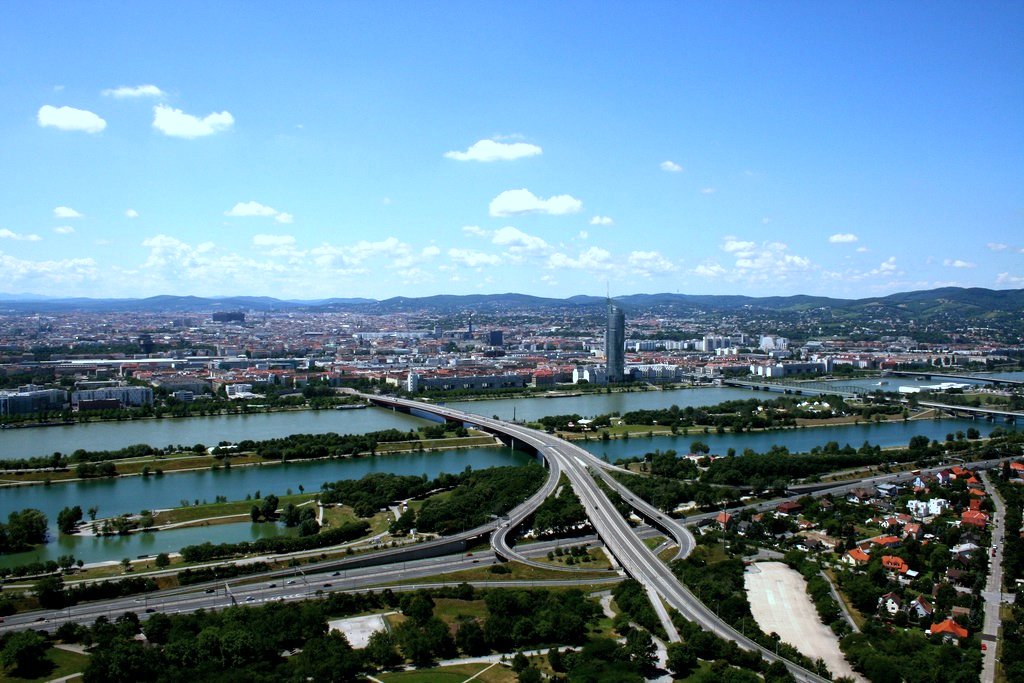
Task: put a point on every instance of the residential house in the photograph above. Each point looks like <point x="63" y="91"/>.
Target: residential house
<point x="788" y="508"/>
<point x="974" y="518"/>
<point x="723" y="519"/>
<point x="913" y="530"/>
<point x="949" y="630"/>
<point x="890" y="603"/>
<point x="895" y="565"/>
<point x="856" y="557"/>
<point x="920" y="608"/>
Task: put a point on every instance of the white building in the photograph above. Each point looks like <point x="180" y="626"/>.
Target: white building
<point x="593" y="374"/>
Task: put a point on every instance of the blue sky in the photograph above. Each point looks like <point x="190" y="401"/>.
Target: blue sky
<point x="309" y="150"/>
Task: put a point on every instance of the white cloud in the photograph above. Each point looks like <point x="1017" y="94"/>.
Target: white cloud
<point x="997" y="246"/>
<point x="862" y="250"/>
<point x="1008" y="279"/>
<point x="583" y="234"/>
<point x="64" y="230"/>
<point x="131" y="213"/>
<point x="843" y="238"/>
<point x="409" y="258"/>
<point x="136" y="91"/>
<point x="66" y="212"/>
<point x="670" y="166"/>
<point x="69" y="118"/>
<point x="178" y="124"/>
<point x="273" y="240"/>
<point x="601" y="220"/>
<point x="958" y="263"/>
<point x="707" y="190"/>
<point x="490" y="150"/>
<point x="247" y="209"/>
<point x="769" y="260"/>
<point x="741" y="248"/>
<point x="473" y="258"/>
<point x="593" y="259"/>
<point x="474" y="230"/>
<point x="251" y="209"/>
<point x="43" y="273"/>
<point x="646" y="263"/>
<point x="20" y="237"/>
<point x="515" y="240"/>
<point x="710" y="269"/>
<point x="513" y="202"/>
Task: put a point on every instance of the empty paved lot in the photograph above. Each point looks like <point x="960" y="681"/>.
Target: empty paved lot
<point x="780" y="604"/>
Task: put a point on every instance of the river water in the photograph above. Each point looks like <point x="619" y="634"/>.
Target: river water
<point x="35" y="441"/>
<point x="131" y="494"/>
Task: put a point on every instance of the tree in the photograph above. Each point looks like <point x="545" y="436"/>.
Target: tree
<point x="640" y="647"/>
<point x="92" y="513"/>
<point x="25" y="654"/>
<point x="381" y="650"/>
<point x="50" y="592"/>
<point x="419" y="608"/>
<point x="681" y="659"/>
<point x="328" y="658"/>
<point x="254" y="513"/>
<point x="163" y="560"/>
<point x="269" y="508"/>
<point x="470" y="638"/>
<point x="520" y="662"/>
<point x="530" y="675"/>
<point x="291" y="515"/>
<point x="26" y="527"/>
<point x="68" y="518"/>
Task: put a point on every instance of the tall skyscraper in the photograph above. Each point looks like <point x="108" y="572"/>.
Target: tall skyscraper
<point x="615" y="343"/>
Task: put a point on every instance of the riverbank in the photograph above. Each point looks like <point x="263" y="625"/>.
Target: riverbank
<point x="152" y="466"/>
<point x="628" y="431"/>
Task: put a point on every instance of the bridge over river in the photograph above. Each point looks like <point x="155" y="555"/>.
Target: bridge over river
<point x="583" y="469"/>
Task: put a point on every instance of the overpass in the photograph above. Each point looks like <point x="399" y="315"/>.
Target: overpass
<point x="952" y="375"/>
<point x="798" y="388"/>
<point x="990" y="413"/>
<point x="637" y="560"/>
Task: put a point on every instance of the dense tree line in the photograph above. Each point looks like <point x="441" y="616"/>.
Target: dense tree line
<point x="24" y="529"/>
<point x="527" y="618"/>
<point x="330" y="445"/>
<point x="780" y="465"/>
<point x="281" y="544"/>
<point x="192" y="576"/>
<point x="477" y="496"/>
<point x="53" y="594"/>
<point x="887" y="655"/>
<point x="668" y="494"/>
<point x="375" y="491"/>
<point x="250" y="643"/>
<point x="560" y="514"/>
<point x="294" y="447"/>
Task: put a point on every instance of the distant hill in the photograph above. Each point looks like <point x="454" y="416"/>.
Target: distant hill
<point x="925" y="303"/>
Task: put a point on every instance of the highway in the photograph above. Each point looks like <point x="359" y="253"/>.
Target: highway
<point x="291" y="584"/>
<point x="580" y="468"/>
<point x="633" y="555"/>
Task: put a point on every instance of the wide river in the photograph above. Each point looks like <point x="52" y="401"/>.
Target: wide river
<point x="132" y="494"/>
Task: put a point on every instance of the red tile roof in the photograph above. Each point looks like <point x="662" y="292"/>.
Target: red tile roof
<point x="951" y="627"/>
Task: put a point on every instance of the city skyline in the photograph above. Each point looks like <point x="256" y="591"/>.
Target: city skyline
<point x="356" y="151"/>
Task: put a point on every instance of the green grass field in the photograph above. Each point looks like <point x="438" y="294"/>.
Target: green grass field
<point x="65" y="664"/>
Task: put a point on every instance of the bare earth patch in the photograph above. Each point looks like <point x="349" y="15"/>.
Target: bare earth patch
<point x="358" y="629"/>
<point x="780" y="604"/>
